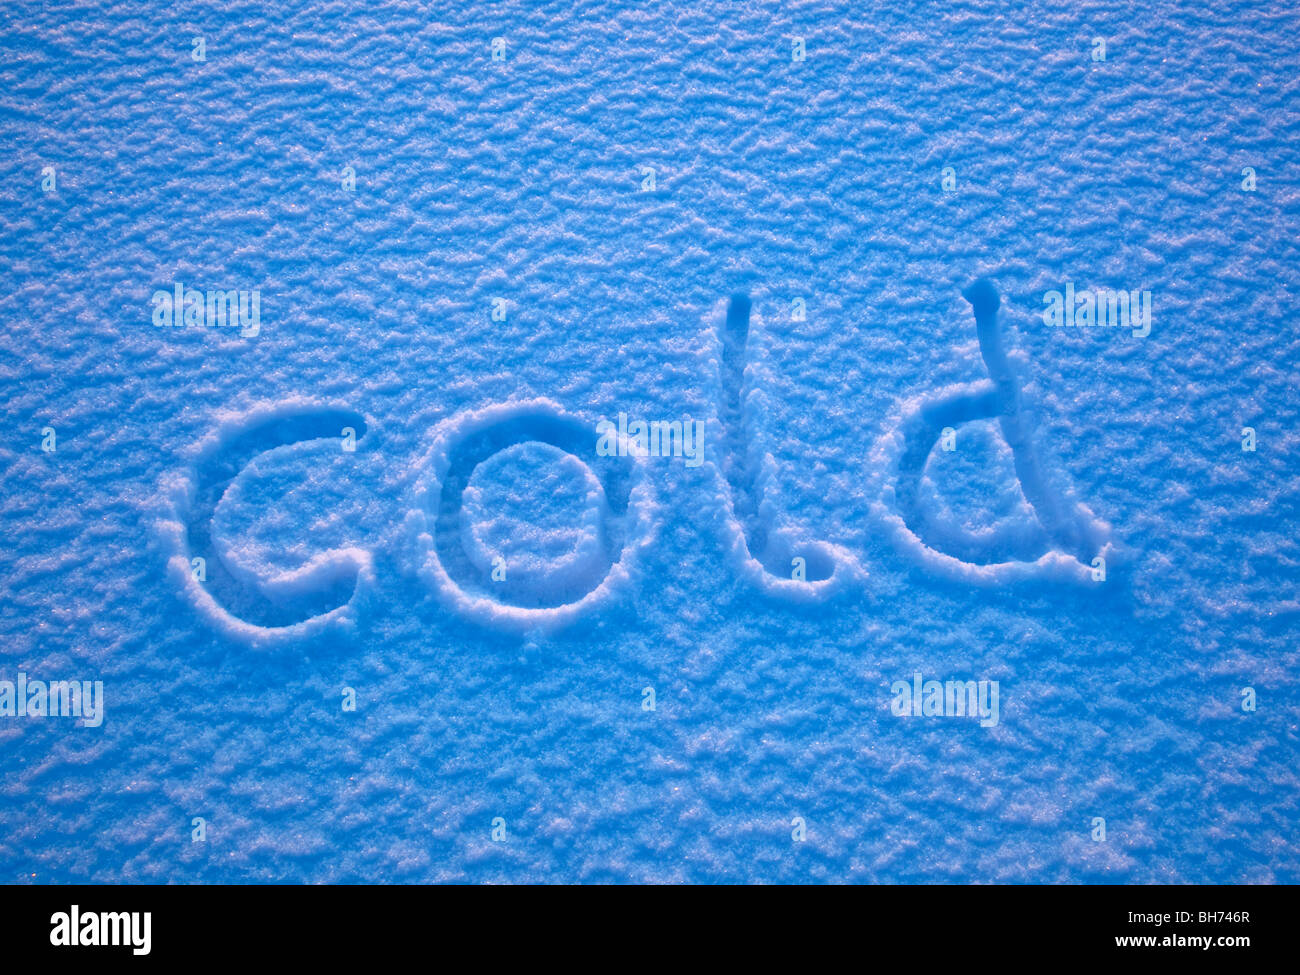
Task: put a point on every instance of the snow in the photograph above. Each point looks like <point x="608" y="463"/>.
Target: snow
<point x="499" y="278"/>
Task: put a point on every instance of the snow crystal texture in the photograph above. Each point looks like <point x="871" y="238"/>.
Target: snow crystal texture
<point x="476" y="230"/>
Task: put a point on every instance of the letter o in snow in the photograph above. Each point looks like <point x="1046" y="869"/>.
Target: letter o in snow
<point x="467" y="440"/>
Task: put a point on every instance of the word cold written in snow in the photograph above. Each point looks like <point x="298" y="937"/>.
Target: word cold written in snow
<point x="1102" y="307"/>
<point x="189" y="307"/>
<point x="946" y="699"/>
<point x="655" y="438"/>
<point x="105" y="929"/>
<point x="57" y="699"/>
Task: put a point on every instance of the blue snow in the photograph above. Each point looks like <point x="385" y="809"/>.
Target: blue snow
<point x="371" y="602"/>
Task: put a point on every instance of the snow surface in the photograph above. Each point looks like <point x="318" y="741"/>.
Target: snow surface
<point x="774" y="179"/>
